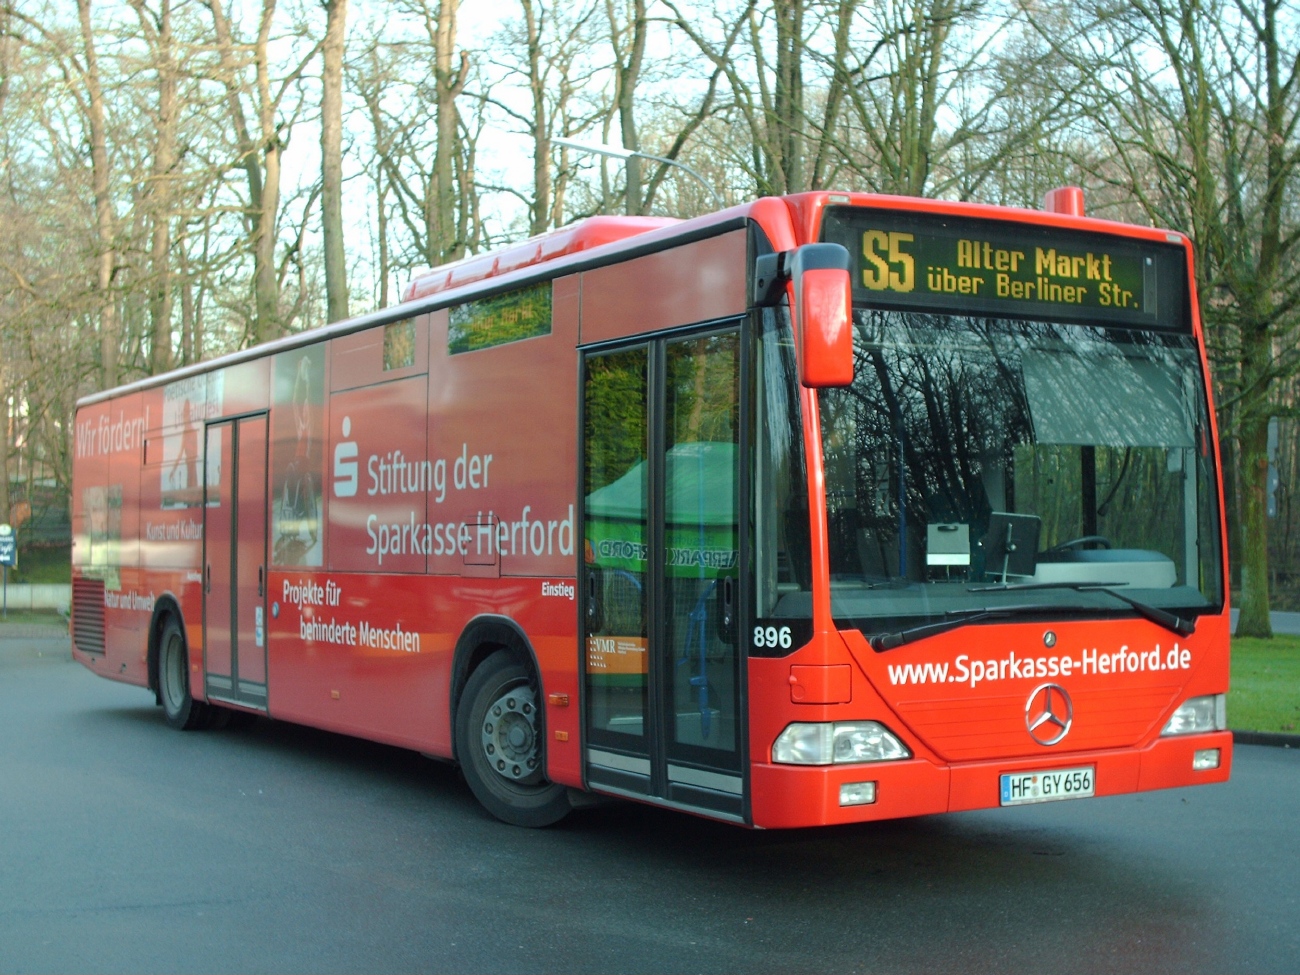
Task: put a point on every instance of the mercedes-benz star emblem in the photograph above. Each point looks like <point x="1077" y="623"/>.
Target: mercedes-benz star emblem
<point x="1048" y="714"/>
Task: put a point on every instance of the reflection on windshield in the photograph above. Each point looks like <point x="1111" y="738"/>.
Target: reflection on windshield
<point x="972" y="451"/>
<point x="783" y="573"/>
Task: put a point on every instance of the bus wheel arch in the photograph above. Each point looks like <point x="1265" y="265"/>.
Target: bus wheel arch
<point x="498" y="725"/>
<point x="484" y="636"/>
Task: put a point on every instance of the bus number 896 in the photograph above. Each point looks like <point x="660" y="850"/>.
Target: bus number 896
<point x="772" y="637"/>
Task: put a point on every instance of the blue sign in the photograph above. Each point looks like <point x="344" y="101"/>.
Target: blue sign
<point x="8" y="546"/>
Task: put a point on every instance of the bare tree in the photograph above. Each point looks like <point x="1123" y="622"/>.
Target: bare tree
<point x="331" y="145"/>
<point x="414" y="116"/>
<point x="92" y="105"/>
<point x="628" y="30"/>
<point x="544" y="51"/>
<point x="259" y="150"/>
<point x="450" y="73"/>
<point x="159" y="194"/>
<point x="1197" y="103"/>
<point x="370" y="78"/>
<point x="765" y="56"/>
<point x="8" y="44"/>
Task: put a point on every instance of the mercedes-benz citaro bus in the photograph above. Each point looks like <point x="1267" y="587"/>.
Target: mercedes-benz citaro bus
<point x="819" y="509"/>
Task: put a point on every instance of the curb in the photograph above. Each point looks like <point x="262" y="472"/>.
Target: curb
<point x="30" y="631"/>
<point x="1277" y="739"/>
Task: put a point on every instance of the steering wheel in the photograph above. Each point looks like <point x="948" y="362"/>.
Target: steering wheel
<point x="1084" y="541"/>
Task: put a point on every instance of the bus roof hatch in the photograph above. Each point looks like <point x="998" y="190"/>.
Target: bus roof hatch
<point x="580" y="236"/>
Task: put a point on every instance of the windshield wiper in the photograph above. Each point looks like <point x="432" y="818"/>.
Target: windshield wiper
<point x="892" y="641"/>
<point x="1161" y="617"/>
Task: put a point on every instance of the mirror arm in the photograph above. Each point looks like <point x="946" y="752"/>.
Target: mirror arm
<point x="771" y="272"/>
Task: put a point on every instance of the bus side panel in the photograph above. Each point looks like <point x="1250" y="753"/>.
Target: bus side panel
<point x="696" y="282"/>
<point x="556" y="643"/>
<point x="129" y="604"/>
<point x="171" y="503"/>
<point x="90" y="487"/>
<point x="502" y="425"/>
<point x="484" y="500"/>
<point x="171" y="481"/>
<point x="90" y="543"/>
<point x="370" y="655"/>
<point x="361" y="653"/>
<point x="241" y="388"/>
<point x="377" y="516"/>
<point x="516" y="403"/>
<point x="110" y="446"/>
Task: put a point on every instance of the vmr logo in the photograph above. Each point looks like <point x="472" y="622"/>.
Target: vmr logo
<point x="345" y="463"/>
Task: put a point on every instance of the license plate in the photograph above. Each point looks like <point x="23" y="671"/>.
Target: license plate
<point x="1019" y="788"/>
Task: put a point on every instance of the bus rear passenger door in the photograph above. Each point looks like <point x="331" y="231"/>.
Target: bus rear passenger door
<point x="661" y="471"/>
<point x="234" y="541"/>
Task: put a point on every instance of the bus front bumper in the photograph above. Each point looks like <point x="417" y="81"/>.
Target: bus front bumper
<point x="792" y="796"/>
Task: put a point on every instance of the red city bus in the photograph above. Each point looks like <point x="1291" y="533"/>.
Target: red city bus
<point x="820" y="509"/>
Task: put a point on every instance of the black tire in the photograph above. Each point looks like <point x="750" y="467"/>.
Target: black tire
<point x="183" y="712"/>
<point x="499" y="745"/>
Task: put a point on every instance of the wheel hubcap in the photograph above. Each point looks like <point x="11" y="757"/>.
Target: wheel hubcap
<point x="510" y="735"/>
<point x="174" y="670"/>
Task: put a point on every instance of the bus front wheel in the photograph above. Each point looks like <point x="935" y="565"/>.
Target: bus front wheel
<point x="182" y="710"/>
<point x="499" y="744"/>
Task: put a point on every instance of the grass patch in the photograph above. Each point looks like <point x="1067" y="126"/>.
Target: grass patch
<point x="52" y="563"/>
<point x="1265" y="694"/>
<point x="49" y="617"/>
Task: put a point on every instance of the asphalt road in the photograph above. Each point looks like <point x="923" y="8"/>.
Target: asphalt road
<point x="126" y="846"/>
<point x="1282" y="622"/>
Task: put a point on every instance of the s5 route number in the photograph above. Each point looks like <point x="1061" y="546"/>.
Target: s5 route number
<point x="886" y="265"/>
<point x="773" y="638"/>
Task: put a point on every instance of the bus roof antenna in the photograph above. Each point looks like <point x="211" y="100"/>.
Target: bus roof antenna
<point x="1064" y="199"/>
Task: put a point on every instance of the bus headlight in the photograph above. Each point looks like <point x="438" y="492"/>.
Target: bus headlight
<point x="1199" y="714"/>
<point x="838" y="743"/>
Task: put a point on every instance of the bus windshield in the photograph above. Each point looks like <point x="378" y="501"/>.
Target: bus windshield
<point x="979" y="463"/>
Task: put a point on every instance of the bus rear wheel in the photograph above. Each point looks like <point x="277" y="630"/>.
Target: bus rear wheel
<point x="499" y="744"/>
<point x="182" y="710"/>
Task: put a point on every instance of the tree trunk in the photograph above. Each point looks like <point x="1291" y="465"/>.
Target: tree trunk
<point x="267" y="286"/>
<point x="105" y="219"/>
<point x="540" y="212"/>
<point x="261" y="162"/>
<point x="628" y="58"/>
<point x="1254" y="619"/>
<point x="159" y="194"/>
<point x="788" y="106"/>
<point x="6" y="434"/>
<point x="444" y="240"/>
<point x="381" y="229"/>
<point x="331" y="146"/>
<point x="189" y="346"/>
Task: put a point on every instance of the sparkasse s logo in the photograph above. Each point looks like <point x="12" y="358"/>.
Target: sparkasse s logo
<point x="345" y="464"/>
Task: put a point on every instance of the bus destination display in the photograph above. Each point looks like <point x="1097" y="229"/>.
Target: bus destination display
<point x="967" y="266"/>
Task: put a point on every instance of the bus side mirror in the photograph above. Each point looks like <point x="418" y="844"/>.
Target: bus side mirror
<point x="823" y="313"/>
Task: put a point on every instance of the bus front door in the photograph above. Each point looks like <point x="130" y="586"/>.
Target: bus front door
<point x="234" y="556"/>
<point x="664" y="694"/>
